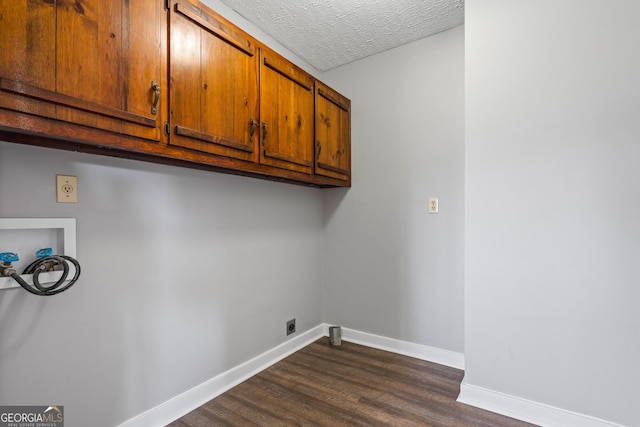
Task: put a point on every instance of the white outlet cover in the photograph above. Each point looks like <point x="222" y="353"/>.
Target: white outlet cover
<point x="433" y="205"/>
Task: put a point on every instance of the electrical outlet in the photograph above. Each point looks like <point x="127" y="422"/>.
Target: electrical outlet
<point x="433" y="205"/>
<point x="291" y="326"/>
<point x="66" y="189"/>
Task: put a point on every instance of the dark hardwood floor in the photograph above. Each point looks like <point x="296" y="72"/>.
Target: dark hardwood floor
<point x="350" y="385"/>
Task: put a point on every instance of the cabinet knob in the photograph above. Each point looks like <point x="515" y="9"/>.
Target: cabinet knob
<point x="156" y="97"/>
<point x="264" y="133"/>
<point x="252" y="128"/>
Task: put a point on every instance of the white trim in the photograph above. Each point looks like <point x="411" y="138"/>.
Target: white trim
<point x="418" y="351"/>
<point x="526" y="410"/>
<point x="512" y="406"/>
<point x="186" y="402"/>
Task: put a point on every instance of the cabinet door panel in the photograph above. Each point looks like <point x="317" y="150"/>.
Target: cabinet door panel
<point x="67" y="61"/>
<point x="214" y="85"/>
<point x="27" y="56"/>
<point x="185" y="74"/>
<point x="144" y="24"/>
<point x="286" y="109"/>
<point x="85" y="32"/>
<point x="333" y="134"/>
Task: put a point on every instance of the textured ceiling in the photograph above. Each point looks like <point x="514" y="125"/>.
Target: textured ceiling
<point x="330" y="33"/>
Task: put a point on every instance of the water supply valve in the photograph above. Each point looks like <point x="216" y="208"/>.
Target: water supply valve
<point x="6" y="258"/>
<point x="45" y="262"/>
<point x="44" y="252"/>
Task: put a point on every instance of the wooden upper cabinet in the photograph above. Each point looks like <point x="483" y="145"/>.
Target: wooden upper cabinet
<point x="94" y="63"/>
<point x="214" y="85"/>
<point x="287" y="114"/>
<point x="166" y="81"/>
<point x="333" y="134"/>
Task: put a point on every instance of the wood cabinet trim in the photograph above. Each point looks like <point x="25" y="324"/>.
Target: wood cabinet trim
<point x="279" y="68"/>
<point x="33" y="92"/>
<point x="334" y="169"/>
<point x="338" y="100"/>
<point x="285" y="158"/>
<point x="238" y="41"/>
<point x="33" y="130"/>
<point x="194" y="134"/>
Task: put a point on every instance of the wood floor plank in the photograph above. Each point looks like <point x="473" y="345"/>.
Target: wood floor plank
<point x="397" y="381"/>
<point x="227" y="413"/>
<point x="375" y="363"/>
<point x="350" y="385"/>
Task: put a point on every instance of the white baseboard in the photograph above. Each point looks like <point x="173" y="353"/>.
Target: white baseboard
<point x="418" y="351"/>
<point x="526" y="410"/>
<point x="186" y="402"/>
<point x="512" y="406"/>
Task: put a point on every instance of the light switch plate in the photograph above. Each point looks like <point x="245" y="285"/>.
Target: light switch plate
<point x="66" y="189"/>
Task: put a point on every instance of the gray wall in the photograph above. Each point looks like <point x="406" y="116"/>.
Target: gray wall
<point x="546" y="235"/>
<point x="185" y="274"/>
<point x="553" y="203"/>
<point x="391" y="268"/>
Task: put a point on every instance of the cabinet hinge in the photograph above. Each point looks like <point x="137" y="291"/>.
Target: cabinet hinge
<point x="167" y="129"/>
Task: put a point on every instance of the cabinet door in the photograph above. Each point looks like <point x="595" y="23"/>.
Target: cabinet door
<point x="89" y="62"/>
<point x="333" y="134"/>
<point x="286" y="111"/>
<point x="214" y="85"/>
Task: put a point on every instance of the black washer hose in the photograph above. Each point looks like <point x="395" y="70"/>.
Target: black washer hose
<point x="43" y="265"/>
